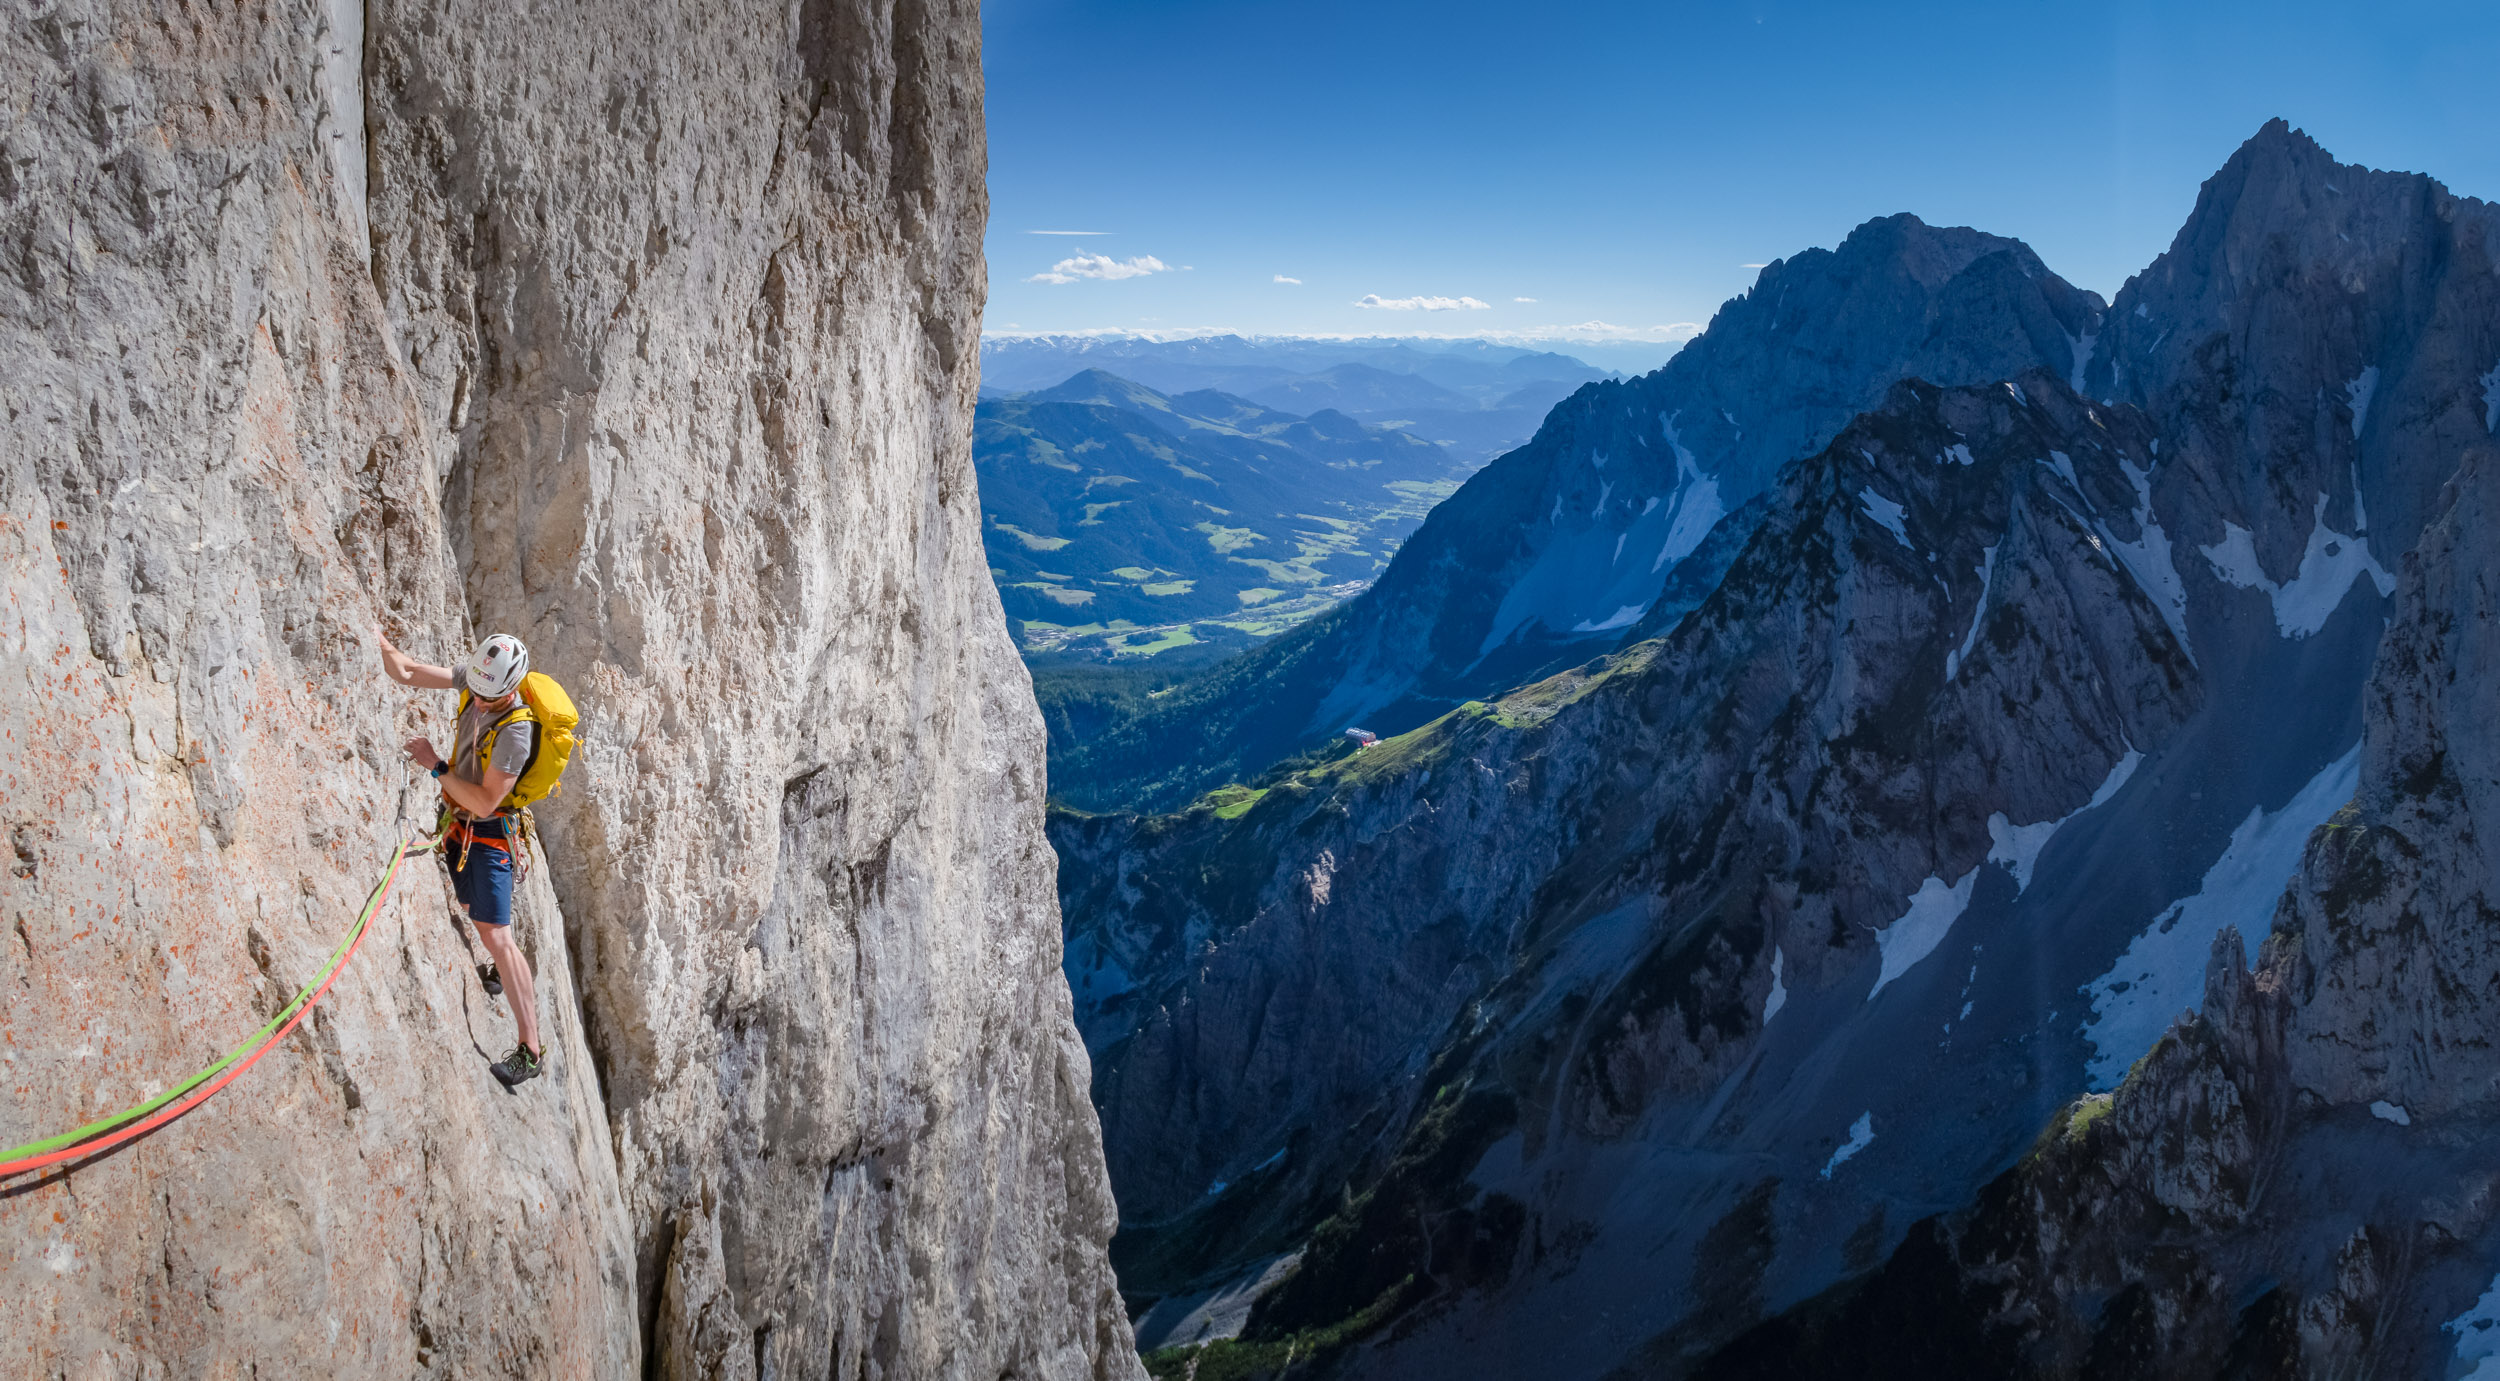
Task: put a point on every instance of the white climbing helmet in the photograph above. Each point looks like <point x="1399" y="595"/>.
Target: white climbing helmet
<point x="497" y="667"/>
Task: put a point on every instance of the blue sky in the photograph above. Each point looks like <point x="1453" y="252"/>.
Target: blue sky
<point x="1623" y="163"/>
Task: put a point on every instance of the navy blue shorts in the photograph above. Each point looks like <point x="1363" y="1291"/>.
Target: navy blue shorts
<point x="485" y="886"/>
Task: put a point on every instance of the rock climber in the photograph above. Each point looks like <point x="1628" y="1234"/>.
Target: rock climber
<point x="479" y="842"/>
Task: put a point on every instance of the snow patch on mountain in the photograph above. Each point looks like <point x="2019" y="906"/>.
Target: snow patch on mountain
<point x="2234" y="560"/>
<point x="1779" y="988"/>
<point x="2358" y="393"/>
<point x="2083" y="346"/>
<point x="2478" y="1336"/>
<point x="2329" y="566"/>
<point x="2148" y="558"/>
<point x="1934" y="907"/>
<point x="1580" y="584"/>
<point x="1886" y="514"/>
<point x="1959" y="454"/>
<point x="2162" y="972"/>
<point x="1861" y="1135"/>
<point x="1624" y="617"/>
<point x="1987" y="573"/>
<point x="1697" y="510"/>
<point x="1697" y="504"/>
<point x="2491" y="400"/>
<point x="2018" y="847"/>
<point x="1684" y="463"/>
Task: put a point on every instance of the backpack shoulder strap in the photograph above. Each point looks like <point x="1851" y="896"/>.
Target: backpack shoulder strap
<point x="520" y="713"/>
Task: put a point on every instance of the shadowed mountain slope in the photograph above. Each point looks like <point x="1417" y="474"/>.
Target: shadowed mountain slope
<point x="1586" y="1026"/>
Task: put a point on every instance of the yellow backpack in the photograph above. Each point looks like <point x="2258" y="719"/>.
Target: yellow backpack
<point x="543" y="703"/>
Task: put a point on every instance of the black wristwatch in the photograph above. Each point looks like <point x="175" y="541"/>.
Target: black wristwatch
<point x="441" y="767"/>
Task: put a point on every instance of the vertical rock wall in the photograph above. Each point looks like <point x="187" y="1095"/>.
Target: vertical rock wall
<point x="214" y="477"/>
<point x="646" y="333"/>
<point x="692" y="293"/>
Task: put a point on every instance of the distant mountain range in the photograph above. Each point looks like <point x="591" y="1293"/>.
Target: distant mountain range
<point x="1479" y="398"/>
<point x="1620" y="513"/>
<point x="1126" y="521"/>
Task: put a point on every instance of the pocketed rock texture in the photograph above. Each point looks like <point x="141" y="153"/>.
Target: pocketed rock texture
<point x="645" y="332"/>
<point x="2297" y="1180"/>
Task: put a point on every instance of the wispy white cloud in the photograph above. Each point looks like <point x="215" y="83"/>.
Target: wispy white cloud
<point x="1588" y="331"/>
<point x="1100" y="266"/>
<point x="1678" y="331"/>
<point x="1753" y="266"/>
<point x="1421" y="304"/>
<point x="1067" y="232"/>
<point x="1523" y="299"/>
<point x="1283" y="279"/>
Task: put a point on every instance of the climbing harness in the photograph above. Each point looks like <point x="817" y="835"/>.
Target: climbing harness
<point x="518" y="841"/>
<point x="465" y="833"/>
<point x="107" y="1132"/>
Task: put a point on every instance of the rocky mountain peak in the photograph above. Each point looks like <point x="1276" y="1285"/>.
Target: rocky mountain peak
<point x="2312" y="322"/>
<point x="2281" y="200"/>
<point x="1929" y="255"/>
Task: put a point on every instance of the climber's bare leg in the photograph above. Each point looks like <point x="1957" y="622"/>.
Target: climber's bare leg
<point x="519" y="984"/>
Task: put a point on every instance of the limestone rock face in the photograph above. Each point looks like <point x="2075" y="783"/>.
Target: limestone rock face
<point x="644" y="332"/>
<point x="215" y="481"/>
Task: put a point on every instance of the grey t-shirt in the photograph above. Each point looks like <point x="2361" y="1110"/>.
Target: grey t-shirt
<point x="512" y="744"/>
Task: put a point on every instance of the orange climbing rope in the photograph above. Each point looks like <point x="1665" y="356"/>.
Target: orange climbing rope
<point x="107" y="1132"/>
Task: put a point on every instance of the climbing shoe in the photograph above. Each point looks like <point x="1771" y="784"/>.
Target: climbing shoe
<point x="521" y="1064"/>
<point x="494" y="981"/>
